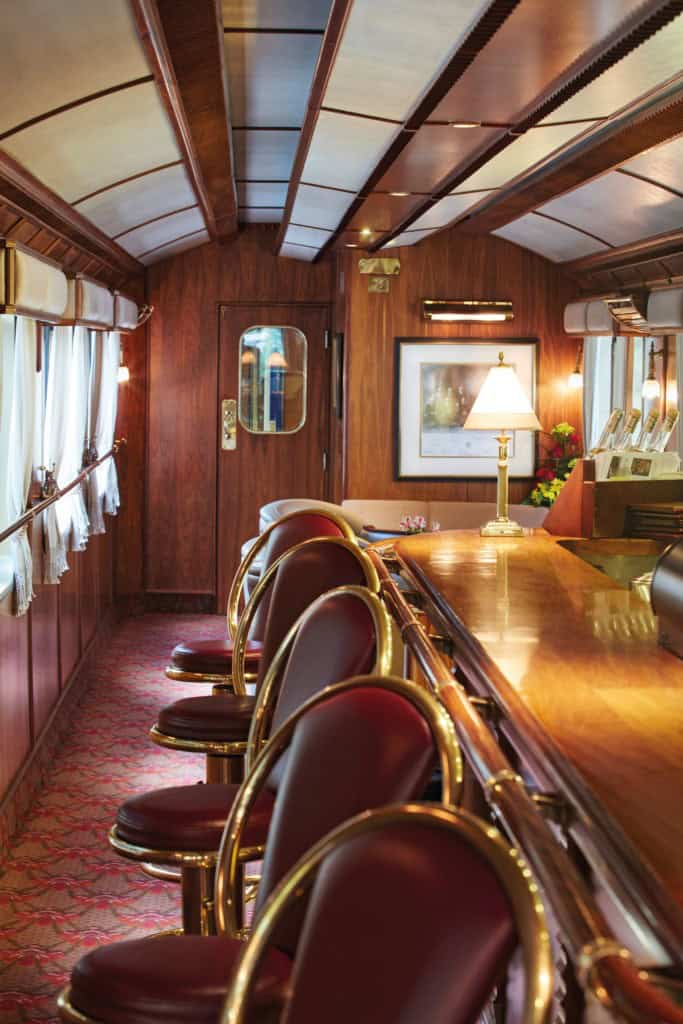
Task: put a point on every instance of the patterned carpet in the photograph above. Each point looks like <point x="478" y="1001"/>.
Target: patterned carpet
<point x="62" y="890"/>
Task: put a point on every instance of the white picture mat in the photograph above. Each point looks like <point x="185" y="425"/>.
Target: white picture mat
<point x="413" y="354"/>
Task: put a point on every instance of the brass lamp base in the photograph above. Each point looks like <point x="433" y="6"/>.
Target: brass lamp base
<point x="501" y="527"/>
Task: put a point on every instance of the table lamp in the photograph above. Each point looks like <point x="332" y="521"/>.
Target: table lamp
<point x="502" y="405"/>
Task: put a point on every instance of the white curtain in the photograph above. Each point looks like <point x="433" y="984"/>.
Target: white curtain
<point x="103" y="494"/>
<point x="597" y="387"/>
<point x="71" y="514"/>
<point x="19" y="393"/>
<point x="56" y="432"/>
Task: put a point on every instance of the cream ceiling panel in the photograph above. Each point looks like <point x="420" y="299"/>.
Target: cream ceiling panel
<point x="98" y="143"/>
<point x="290" y="14"/>
<point x="269" y="77"/>
<point x="320" y="207"/>
<point x="298" y="252"/>
<point x="133" y="202"/>
<point x="300" y="235"/>
<point x="447" y="209"/>
<point x="151" y="236"/>
<point x="408" y="238"/>
<point x="52" y="54"/>
<point x="554" y="241"/>
<point x="392" y="50"/>
<point x="523" y="153"/>
<point x="664" y="164"/>
<point x="261" y="193"/>
<point x="264" y="154"/>
<point x="262" y="215"/>
<point x="344" y="150"/>
<point x="650" y="64"/>
<point x="180" y="245"/>
<point x="618" y="208"/>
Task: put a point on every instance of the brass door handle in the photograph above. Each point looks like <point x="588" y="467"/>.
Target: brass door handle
<point x="228" y="424"/>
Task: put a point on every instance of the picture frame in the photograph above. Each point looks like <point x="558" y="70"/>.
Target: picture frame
<point x="435" y="384"/>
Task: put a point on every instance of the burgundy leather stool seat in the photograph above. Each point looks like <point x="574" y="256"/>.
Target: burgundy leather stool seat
<point x="206" y="718"/>
<point x="189" y="817"/>
<point x="167" y="979"/>
<point x="212" y="657"/>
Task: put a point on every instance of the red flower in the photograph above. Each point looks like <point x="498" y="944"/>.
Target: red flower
<point x="573" y="438"/>
<point x="545" y="474"/>
<point x="557" y="452"/>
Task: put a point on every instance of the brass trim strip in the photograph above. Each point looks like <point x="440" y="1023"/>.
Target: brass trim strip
<point x="216" y="748"/>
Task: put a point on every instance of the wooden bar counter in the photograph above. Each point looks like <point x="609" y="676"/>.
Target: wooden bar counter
<point x="591" y="704"/>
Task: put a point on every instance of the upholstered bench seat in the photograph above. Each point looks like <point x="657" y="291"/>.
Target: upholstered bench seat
<point x="189" y="818"/>
<point x="225" y="719"/>
<point x="168" y="979"/>
<point x="211" y="657"/>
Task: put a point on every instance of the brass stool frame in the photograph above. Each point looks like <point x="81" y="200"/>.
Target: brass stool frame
<point x="197" y="868"/>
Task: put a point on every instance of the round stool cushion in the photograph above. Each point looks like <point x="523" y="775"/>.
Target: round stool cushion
<point x="168" y="979"/>
<point x="211" y="657"/>
<point x="187" y="818"/>
<point x="219" y="717"/>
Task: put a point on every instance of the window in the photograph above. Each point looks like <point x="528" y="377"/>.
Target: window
<point x="272" y="380"/>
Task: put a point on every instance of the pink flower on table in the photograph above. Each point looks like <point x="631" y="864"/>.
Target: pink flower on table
<point x="413" y="524"/>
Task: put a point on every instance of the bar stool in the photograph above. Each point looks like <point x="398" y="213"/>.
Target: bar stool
<point x="353" y="747"/>
<point x="410" y="913"/>
<point x="210" y="661"/>
<point x="181" y="826"/>
<point x="218" y="726"/>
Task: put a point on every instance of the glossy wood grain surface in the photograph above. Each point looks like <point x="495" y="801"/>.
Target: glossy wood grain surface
<point x="574" y="659"/>
<point x="447" y="266"/>
<point x="180" y="541"/>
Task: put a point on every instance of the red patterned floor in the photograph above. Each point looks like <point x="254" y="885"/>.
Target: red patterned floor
<point x="62" y="890"/>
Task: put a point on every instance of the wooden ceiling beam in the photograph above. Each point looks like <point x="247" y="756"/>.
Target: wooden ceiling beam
<point x="646" y="21"/>
<point x="602" y="151"/>
<point x="328" y="53"/>
<point x="658" y="247"/>
<point x="28" y="197"/>
<point x="183" y="40"/>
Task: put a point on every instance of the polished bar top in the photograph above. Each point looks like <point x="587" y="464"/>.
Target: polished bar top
<point x="574" y="655"/>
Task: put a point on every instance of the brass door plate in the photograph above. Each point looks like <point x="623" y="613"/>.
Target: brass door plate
<point x="228" y="424"/>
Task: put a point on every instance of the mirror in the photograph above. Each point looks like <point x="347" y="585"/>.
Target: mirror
<point x="272" y="386"/>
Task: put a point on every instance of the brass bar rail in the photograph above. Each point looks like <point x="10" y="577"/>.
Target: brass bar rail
<point x="602" y="965"/>
<point x="40" y="506"/>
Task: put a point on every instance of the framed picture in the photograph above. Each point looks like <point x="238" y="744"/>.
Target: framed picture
<point x="435" y="385"/>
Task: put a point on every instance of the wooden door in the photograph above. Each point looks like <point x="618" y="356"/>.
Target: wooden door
<point x="265" y="466"/>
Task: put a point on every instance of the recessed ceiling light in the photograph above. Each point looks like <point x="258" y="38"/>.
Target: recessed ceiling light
<point x="399" y="194"/>
<point x="351" y="245"/>
<point x="366" y="232"/>
<point x="464" y="124"/>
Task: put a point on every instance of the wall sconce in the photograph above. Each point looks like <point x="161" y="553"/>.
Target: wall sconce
<point x="651" y="388"/>
<point x="454" y="310"/>
<point x="123" y="375"/>
<point x="575" y="378"/>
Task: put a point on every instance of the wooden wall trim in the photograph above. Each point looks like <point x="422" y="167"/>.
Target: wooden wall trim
<point x="24" y="193"/>
<point x="183" y="41"/>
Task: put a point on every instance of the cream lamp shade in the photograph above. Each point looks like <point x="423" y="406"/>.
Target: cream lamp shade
<point x="501" y="404"/>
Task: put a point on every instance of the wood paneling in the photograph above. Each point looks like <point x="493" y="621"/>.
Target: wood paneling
<point x="180" y="541"/>
<point x="89" y="590"/>
<point x="447" y="266"/>
<point x="15" y="725"/>
<point x="44" y="653"/>
<point x="131" y="423"/>
<point x="70" y="616"/>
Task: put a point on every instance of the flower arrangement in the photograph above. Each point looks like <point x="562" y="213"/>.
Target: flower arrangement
<point x="560" y="458"/>
<point x="416" y="524"/>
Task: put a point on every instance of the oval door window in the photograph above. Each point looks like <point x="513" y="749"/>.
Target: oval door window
<point x="272" y="386"/>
